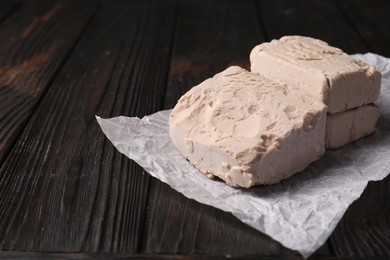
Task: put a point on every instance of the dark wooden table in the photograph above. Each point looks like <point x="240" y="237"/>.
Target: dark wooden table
<point x="65" y="192"/>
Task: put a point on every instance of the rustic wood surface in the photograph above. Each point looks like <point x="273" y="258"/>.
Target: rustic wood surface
<point x="65" y="192"/>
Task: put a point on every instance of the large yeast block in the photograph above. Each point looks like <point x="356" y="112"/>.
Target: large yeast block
<point x="345" y="127"/>
<point x="324" y="72"/>
<point x="247" y="129"/>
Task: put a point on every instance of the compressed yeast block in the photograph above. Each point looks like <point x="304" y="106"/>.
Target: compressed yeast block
<point x="324" y="72"/>
<point x="348" y="126"/>
<point x="247" y="129"/>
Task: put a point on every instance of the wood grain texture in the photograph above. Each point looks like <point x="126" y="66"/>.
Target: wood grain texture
<point x="176" y="224"/>
<point x="371" y="19"/>
<point x="209" y="36"/>
<point x="113" y="256"/>
<point x="34" y="43"/>
<point x="64" y="187"/>
<point x="318" y="19"/>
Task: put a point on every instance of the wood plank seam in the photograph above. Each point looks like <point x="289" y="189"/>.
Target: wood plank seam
<point x="173" y="36"/>
<point x="10" y="13"/>
<point x="352" y="24"/>
<point x="50" y="82"/>
<point x="261" y="21"/>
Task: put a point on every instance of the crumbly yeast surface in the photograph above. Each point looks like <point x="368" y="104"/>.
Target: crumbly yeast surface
<point x="247" y="129"/>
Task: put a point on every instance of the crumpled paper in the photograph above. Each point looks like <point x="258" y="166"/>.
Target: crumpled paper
<point x="300" y="212"/>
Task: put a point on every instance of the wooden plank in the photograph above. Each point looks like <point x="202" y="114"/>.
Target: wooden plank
<point x="209" y="37"/>
<point x="64" y="187"/>
<point x="318" y="19"/>
<point x="39" y="256"/>
<point x="34" y="43"/>
<point x="371" y="19"/>
<point x="118" y="256"/>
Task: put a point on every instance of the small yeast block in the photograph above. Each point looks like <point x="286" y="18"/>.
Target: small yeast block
<point x="322" y="71"/>
<point x="247" y="129"/>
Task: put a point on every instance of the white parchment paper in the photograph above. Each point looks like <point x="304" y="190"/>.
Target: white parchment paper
<point x="300" y="212"/>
